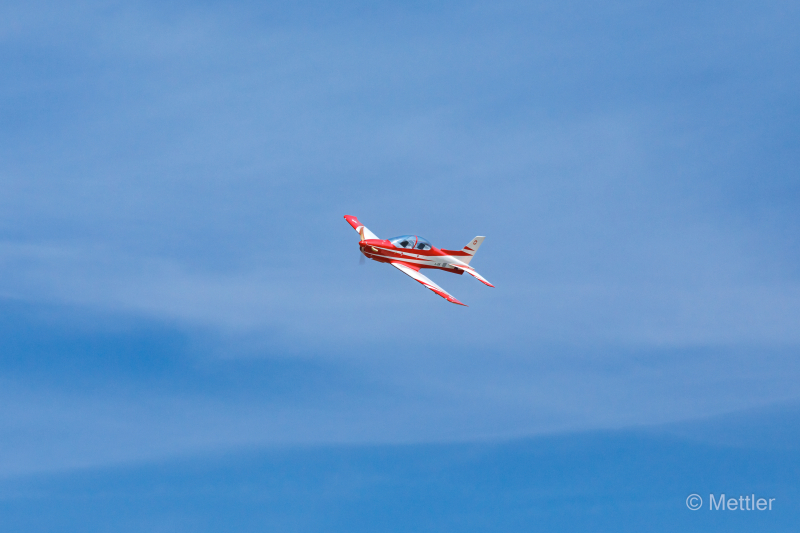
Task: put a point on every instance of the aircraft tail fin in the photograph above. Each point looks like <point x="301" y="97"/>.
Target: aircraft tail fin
<point x="468" y="252"/>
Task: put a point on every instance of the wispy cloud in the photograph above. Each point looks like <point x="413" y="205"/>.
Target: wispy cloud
<point x="632" y="166"/>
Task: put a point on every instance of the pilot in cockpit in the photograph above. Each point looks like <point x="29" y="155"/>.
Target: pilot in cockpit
<point x="410" y="242"/>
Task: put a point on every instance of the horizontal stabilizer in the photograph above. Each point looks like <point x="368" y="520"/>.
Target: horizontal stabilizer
<point x="477" y="276"/>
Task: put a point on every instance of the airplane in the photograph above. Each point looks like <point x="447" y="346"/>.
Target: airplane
<point x="411" y="253"/>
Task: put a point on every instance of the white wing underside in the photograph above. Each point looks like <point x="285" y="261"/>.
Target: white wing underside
<point x="405" y="269"/>
<point x="365" y="233"/>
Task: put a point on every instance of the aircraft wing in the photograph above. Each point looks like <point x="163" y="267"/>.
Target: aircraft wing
<point x="409" y="270"/>
<point x="360" y="228"/>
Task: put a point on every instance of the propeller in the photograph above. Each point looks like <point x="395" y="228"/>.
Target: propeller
<point x="361" y="259"/>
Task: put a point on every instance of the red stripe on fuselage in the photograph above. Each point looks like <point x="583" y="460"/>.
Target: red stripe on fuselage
<point x="458" y="253"/>
<point x="384" y="252"/>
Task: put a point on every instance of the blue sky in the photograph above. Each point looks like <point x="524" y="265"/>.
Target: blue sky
<point x="178" y="286"/>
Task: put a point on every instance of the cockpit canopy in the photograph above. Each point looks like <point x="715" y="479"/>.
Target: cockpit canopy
<point x="410" y="241"/>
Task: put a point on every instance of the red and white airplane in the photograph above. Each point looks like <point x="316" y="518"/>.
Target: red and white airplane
<point x="410" y="253"/>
